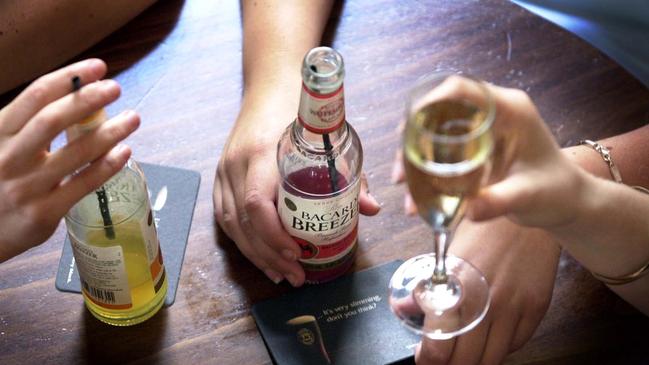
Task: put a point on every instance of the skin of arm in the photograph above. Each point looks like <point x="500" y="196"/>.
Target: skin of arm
<point x="602" y="224"/>
<point x="246" y="181"/>
<point x="510" y="246"/>
<point x="618" y="210"/>
<point x="41" y="35"/>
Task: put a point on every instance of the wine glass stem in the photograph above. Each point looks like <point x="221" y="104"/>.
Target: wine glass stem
<point x="442" y="240"/>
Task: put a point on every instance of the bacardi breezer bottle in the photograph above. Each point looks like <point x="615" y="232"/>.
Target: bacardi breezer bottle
<point x="320" y="159"/>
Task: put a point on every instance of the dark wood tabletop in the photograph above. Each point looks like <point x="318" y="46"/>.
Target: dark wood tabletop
<point x="179" y="65"/>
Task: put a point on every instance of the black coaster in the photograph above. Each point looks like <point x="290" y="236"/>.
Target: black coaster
<point x="173" y="197"/>
<point x="346" y="321"/>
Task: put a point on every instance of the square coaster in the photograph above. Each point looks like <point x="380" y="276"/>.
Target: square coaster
<point x="173" y="194"/>
<point x="346" y="321"/>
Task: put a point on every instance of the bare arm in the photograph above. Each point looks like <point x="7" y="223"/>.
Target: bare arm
<point x="41" y="35"/>
<point x="621" y="244"/>
<point x="277" y="35"/>
<point x="629" y="150"/>
<point x="603" y="224"/>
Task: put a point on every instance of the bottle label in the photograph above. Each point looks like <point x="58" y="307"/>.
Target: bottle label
<point x="103" y="274"/>
<point x="153" y="251"/>
<point x="321" y="113"/>
<point x="325" y="229"/>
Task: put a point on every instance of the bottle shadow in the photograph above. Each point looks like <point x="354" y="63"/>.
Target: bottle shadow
<point x="105" y="344"/>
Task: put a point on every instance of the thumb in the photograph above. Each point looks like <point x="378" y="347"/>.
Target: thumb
<point x="502" y="198"/>
<point x="367" y="205"/>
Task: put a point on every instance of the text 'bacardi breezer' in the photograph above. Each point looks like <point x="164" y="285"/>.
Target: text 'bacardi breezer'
<point x="320" y="159"/>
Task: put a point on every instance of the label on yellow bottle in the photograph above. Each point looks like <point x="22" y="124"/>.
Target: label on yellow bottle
<point x="153" y="252"/>
<point x="103" y="274"/>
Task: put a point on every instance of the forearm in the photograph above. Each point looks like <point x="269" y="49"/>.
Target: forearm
<point x="611" y="220"/>
<point x="277" y="34"/>
<point x="36" y="36"/>
<point x="611" y="237"/>
<point x="629" y="152"/>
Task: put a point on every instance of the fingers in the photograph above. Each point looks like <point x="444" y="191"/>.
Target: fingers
<point x="409" y="205"/>
<point x="431" y="352"/>
<point x="237" y="222"/>
<point x="46" y="90"/>
<point x="367" y="204"/>
<point x="398" y="173"/>
<point x="470" y="346"/>
<point x="524" y="330"/>
<point x="259" y="204"/>
<point x="499" y="340"/>
<point x="274" y="262"/>
<point x="227" y="218"/>
<point x="460" y="88"/>
<point x="89" y="147"/>
<point x="91" y="178"/>
<point x="60" y="114"/>
<point x="500" y="199"/>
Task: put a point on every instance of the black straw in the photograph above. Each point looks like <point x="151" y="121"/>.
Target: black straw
<point x="105" y="213"/>
<point x="101" y="192"/>
<point x="331" y="160"/>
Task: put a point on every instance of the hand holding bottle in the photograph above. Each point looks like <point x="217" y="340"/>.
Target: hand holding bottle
<point x="246" y="183"/>
<point x="35" y="192"/>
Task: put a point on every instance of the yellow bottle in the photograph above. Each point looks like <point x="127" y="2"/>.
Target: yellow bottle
<point x="115" y="245"/>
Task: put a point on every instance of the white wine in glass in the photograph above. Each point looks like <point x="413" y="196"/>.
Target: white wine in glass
<point x="448" y="147"/>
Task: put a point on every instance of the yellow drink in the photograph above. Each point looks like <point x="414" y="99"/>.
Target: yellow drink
<point x="123" y="278"/>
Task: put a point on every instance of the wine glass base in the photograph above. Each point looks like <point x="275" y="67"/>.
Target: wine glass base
<point x="439" y="311"/>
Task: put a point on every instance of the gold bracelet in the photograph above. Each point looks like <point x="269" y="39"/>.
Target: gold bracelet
<point x="615" y="174"/>
<point x="608" y="280"/>
<point x="606" y="155"/>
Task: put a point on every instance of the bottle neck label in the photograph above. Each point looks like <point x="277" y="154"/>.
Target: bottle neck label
<point x="326" y="229"/>
<point x="321" y="113"/>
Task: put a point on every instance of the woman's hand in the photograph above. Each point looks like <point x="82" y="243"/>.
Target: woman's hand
<point x="37" y="187"/>
<point x="245" y="191"/>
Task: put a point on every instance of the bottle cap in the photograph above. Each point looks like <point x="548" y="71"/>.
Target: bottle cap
<point x="322" y="106"/>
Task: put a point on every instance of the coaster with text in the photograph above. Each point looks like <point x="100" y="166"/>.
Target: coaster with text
<point x="173" y="197"/>
<point x="346" y="321"/>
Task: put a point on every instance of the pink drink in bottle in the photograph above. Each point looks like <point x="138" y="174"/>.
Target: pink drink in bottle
<point x="320" y="159"/>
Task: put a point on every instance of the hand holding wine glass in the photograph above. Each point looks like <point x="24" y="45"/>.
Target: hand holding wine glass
<point x="448" y="148"/>
<point x="537" y="185"/>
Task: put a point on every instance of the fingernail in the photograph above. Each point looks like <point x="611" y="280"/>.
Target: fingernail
<point x="292" y="279"/>
<point x="131" y="115"/>
<point x="396" y="173"/>
<point x="96" y="65"/>
<point x="373" y="199"/>
<point x="109" y="85"/>
<point x="120" y="148"/>
<point x="273" y="275"/>
<point x="409" y="205"/>
<point x="289" y="254"/>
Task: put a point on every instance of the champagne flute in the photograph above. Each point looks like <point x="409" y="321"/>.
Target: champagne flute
<point x="447" y="149"/>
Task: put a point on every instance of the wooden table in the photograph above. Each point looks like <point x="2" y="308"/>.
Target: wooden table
<point x="179" y="66"/>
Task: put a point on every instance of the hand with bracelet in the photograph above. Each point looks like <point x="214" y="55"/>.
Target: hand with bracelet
<point x="520" y="262"/>
<point x="603" y="224"/>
